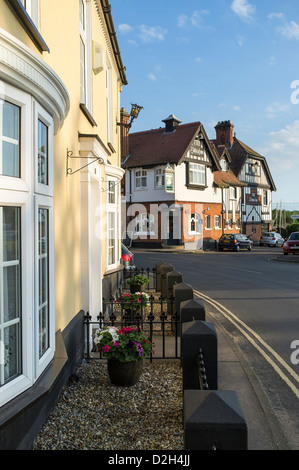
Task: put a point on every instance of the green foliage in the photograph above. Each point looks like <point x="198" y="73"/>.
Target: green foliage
<point x="124" y="344"/>
<point x="293" y="228"/>
<point x="133" y="301"/>
<point x="138" y="280"/>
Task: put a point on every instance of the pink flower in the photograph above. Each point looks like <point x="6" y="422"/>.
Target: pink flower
<point x="115" y="344"/>
<point x="106" y="348"/>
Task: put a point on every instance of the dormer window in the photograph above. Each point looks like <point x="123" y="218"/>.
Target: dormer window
<point x="223" y="164"/>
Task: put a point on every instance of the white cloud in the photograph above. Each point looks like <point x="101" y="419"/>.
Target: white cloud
<point x="196" y="19"/>
<point x="276" y="108"/>
<point x="289" y="29"/>
<point x="125" y="28"/>
<point x="237" y="108"/>
<point x="282" y="148"/>
<point x="182" y="21"/>
<point x="152" y="77"/>
<point x="240" y="40"/>
<point x="198" y="60"/>
<point x="243" y="9"/>
<point x="152" y="33"/>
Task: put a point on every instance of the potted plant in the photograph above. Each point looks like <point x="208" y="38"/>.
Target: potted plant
<point x="125" y="349"/>
<point x="133" y="302"/>
<point x="137" y="283"/>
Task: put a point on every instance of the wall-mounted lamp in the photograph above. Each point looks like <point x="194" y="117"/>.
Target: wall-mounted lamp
<point x="135" y="110"/>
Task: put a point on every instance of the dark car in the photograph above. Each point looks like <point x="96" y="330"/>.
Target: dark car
<point x="127" y="259"/>
<point x="235" y="242"/>
<point x="291" y="245"/>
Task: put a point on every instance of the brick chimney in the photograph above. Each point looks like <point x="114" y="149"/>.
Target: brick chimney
<point x="124" y="139"/>
<point x="224" y="134"/>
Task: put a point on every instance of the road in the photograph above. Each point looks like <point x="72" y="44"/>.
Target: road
<point x="256" y="299"/>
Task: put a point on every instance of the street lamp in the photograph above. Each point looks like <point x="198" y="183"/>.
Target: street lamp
<point x="135" y="110"/>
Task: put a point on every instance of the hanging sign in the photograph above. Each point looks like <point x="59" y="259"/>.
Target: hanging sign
<point x="169" y="181"/>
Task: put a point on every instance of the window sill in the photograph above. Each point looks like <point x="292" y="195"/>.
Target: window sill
<point x="28" y="24"/>
<point x="197" y="187"/>
<point x="87" y="115"/>
<point x="114" y="270"/>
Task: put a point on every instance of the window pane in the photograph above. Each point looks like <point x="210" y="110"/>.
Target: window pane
<point x="82" y="71"/>
<point x="10" y="139"/>
<point x="12" y="352"/>
<point x="11" y="233"/>
<point x="111" y="192"/>
<point x="42" y="153"/>
<point x="111" y="238"/>
<point x="10" y="293"/>
<point x="43" y="280"/>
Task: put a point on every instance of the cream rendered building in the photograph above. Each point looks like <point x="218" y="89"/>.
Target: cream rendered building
<point x="61" y="75"/>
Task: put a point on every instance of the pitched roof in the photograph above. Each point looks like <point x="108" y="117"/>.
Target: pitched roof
<point x="157" y="147"/>
<point x="224" y="179"/>
<point x="239" y="152"/>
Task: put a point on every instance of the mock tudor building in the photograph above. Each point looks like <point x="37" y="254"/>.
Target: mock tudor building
<point x="252" y="169"/>
<point x="178" y="191"/>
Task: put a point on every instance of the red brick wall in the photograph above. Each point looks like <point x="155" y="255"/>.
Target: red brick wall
<point x="187" y="208"/>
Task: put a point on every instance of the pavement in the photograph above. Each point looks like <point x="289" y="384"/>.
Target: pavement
<point x="234" y="373"/>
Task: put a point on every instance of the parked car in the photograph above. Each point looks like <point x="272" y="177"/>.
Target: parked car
<point x="271" y="239"/>
<point x="235" y="242"/>
<point x="291" y="245"/>
<point x="127" y="259"/>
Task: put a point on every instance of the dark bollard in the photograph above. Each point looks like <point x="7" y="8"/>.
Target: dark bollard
<point x="181" y="292"/>
<point x="172" y="278"/>
<point x="192" y="310"/>
<point x="199" y="336"/>
<point x="214" y="420"/>
<point x="161" y="270"/>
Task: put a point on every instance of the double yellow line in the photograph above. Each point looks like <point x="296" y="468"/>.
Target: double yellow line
<point x="258" y="343"/>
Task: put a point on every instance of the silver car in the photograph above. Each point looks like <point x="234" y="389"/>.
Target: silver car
<point x="271" y="239"/>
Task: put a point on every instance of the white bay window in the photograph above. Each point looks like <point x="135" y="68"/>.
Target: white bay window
<point x="27" y="328"/>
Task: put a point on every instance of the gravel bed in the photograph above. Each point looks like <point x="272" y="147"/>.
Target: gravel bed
<point x="93" y="414"/>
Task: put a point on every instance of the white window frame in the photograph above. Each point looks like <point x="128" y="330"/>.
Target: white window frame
<point x="217" y="224"/>
<point x="32" y="8"/>
<point x="141" y="177"/>
<point x="208" y="225"/>
<point x="233" y="192"/>
<point x="109" y="102"/>
<point x="197" y="174"/>
<point x="265" y="197"/>
<point x="197" y="220"/>
<point x="20" y="192"/>
<point x="159" y="178"/>
<point x="85" y="66"/>
<point x="43" y="202"/>
<point x="112" y="210"/>
<point x="42" y="115"/>
<point x="146" y="221"/>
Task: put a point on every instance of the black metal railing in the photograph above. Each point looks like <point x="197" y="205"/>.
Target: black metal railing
<point x="150" y="274"/>
<point x="203" y="384"/>
<point x="158" y="320"/>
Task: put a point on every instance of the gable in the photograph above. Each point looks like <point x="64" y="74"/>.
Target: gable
<point x="157" y="147"/>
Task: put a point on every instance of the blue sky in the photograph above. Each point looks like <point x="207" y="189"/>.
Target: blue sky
<point x="218" y="60"/>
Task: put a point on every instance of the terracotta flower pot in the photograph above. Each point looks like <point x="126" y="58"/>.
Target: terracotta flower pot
<point x="124" y="374"/>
